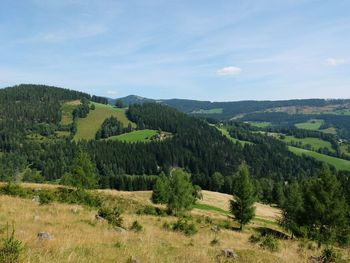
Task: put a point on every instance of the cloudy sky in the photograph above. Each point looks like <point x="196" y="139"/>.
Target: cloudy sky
<point x="198" y="49"/>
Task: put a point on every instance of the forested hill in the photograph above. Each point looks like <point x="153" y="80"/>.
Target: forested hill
<point x="227" y="110"/>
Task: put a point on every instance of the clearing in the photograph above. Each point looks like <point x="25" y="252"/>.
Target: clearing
<point x="314" y="143"/>
<point x="310" y="125"/>
<point x="146" y="135"/>
<point x="88" y="127"/>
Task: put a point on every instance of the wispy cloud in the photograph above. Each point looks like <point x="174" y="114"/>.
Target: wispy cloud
<point x="226" y="71"/>
<point x="335" y="61"/>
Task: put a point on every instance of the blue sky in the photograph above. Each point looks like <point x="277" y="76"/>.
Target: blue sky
<point x="207" y="50"/>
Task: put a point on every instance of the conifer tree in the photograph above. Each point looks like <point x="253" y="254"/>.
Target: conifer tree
<point x="243" y="200"/>
<point x="160" y="194"/>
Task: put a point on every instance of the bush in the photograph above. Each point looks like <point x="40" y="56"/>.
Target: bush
<point x="14" y="190"/>
<point x="136" y="226"/>
<point x="182" y="225"/>
<point x="112" y="215"/>
<point x="254" y="239"/>
<point x="151" y="210"/>
<point x="46" y="197"/>
<point x="78" y="196"/>
<point x="10" y="248"/>
<point x="270" y="243"/>
<point x="330" y="255"/>
<point x="215" y="242"/>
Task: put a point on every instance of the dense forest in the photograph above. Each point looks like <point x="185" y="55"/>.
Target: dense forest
<point x="196" y="146"/>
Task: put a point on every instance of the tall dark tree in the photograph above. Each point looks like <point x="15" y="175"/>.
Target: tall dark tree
<point x="160" y="194"/>
<point x="242" y="205"/>
<point x="119" y="103"/>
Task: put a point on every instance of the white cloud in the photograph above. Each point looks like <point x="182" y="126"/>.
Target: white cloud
<point x="335" y="61"/>
<point x="229" y="71"/>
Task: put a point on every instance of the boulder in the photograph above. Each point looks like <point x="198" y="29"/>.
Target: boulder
<point x="36" y="199"/>
<point x="44" y="236"/>
<point x="215" y="228"/>
<point x="229" y="253"/>
<point x="99" y="218"/>
<point x="120" y="230"/>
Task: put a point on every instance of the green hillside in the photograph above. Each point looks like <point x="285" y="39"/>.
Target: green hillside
<point x="338" y="163"/>
<point x="314" y="143"/>
<point x="136" y="136"/>
<point x="87" y="127"/>
<point x="310" y="125"/>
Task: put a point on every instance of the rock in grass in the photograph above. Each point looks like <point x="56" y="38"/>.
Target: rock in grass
<point x="44" y="236"/>
<point x="99" y="218"/>
<point x="133" y="260"/>
<point x="120" y="230"/>
<point x="229" y="253"/>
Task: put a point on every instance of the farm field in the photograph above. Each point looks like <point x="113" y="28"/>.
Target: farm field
<point x="79" y="237"/>
<point x="315" y="143"/>
<point x="211" y="111"/>
<point x="260" y="124"/>
<point x="338" y="163"/>
<point x="136" y="136"/>
<point x="87" y="127"/>
<point x="310" y="125"/>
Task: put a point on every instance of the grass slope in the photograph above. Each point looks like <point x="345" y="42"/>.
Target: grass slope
<point x="135" y="136"/>
<point x="260" y="124"/>
<point x="310" y="125"/>
<point x="315" y="143"/>
<point x="67" y="111"/>
<point x="87" y="127"/>
<point x="210" y="111"/>
<point x="225" y="132"/>
<point x="78" y="237"/>
<point x="338" y="163"/>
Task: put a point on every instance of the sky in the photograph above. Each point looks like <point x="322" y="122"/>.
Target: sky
<point x="195" y="49"/>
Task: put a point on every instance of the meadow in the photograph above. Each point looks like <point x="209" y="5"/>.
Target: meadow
<point x="78" y="237"/>
<point x="310" y="125"/>
<point x="136" y="136"/>
<point x="338" y="163"/>
<point x="315" y="143"/>
<point x="88" y="127"/>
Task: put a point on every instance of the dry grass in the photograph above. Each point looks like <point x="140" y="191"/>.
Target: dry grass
<point x="79" y="238"/>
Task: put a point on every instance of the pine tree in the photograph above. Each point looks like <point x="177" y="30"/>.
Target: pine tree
<point x="160" y="194"/>
<point x="242" y="204"/>
<point x="181" y="192"/>
<point x="292" y="209"/>
<point x="325" y="208"/>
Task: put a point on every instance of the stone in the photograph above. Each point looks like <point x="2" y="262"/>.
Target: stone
<point x="134" y="260"/>
<point x="36" y="199"/>
<point x="229" y="253"/>
<point x="36" y="217"/>
<point x="44" y="236"/>
<point x="120" y="230"/>
<point x="215" y="228"/>
<point x="99" y="218"/>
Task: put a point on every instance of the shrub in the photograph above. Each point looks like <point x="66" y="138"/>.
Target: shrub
<point x="215" y="242"/>
<point x="330" y="255"/>
<point x="14" y="190"/>
<point x="270" y="243"/>
<point x="136" y="226"/>
<point x="112" y="215"/>
<point x="182" y="225"/>
<point x="254" y="239"/>
<point x="46" y="197"/>
<point x="78" y="196"/>
<point x="10" y="248"/>
<point x="151" y="210"/>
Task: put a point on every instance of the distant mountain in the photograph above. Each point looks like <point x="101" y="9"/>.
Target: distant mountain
<point x="229" y="110"/>
<point x="131" y="99"/>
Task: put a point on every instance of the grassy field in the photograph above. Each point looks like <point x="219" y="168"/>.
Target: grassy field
<point x="338" y="163"/>
<point x="78" y="237"/>
<point x="211" y="111"/>
<point x="315" y="143"/>
<point x="225" y="132"/>
<point x="260" y="124"/>
<point x="67" y="111"/>
<point x="310" y="125"/>
<point x="87" y="127"/>
<point x="135" y="136"/>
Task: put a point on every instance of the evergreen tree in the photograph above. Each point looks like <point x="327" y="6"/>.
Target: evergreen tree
<point x="217" y="181"/>
<point x="160" y="194"/>
<point x="181" y="192"/>
<point x="325" y="208"/>
<point x="242" y="204"/>
<point x="292" y="209"/>
<point x="83" y="172"/>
